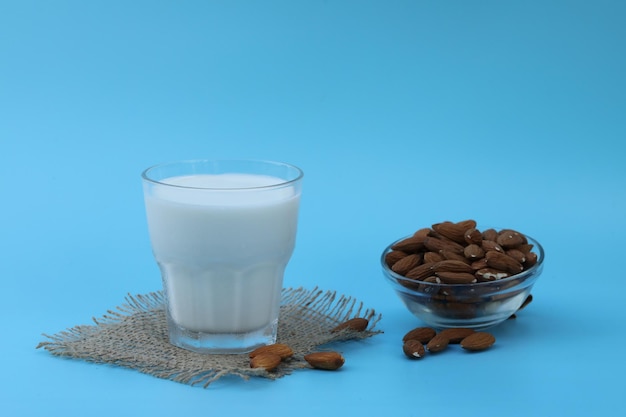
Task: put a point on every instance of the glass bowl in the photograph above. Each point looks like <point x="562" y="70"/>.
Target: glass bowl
<point x="478" y="305"/>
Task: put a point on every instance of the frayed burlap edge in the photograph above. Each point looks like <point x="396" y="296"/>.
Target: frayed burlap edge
<point x="134" y="336"/>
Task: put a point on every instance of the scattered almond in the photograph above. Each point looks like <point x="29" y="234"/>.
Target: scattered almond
<point x="438" y="343"/>
<point x="413" y="349"/>
<point x="279" y="349"/>
<point x="478" y="341"/>
<point x="358" y="324"/>
<point x="267" y="361"/>
<point x="329" y="361"/>
<point x="422" y="334"/>
<point x="456" y="334"/>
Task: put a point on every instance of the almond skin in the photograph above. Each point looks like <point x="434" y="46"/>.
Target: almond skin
<point x="456" y="277"/>
<point x="432" y="257"/>
<point x="451" y="231"/>
<point x="407" y="263"/>
<point x="489" y="245"/>
<point x="438" y="343"/>
<point x="357" y="324"/>
<point x="328" y="361"/>
<point x="454" y="256"/>
<point x="508" y="238"/>
<point x="478" y="341"/>
<point x="420" y="272"/>
<point x="412" y="244"/>
<point x="473" y="236"/>
<point x="393" y="257"/>
<point x="456" y="334"/>
<point x="434" y="244"/>
<point x="517" y="254"/>
<point x="531" y="260"/>
<point x="279" y="349"/>
<point x="422" y="334"/>
<point x="473" y="252"/>
<point x="490" y="234"/>
<point x="452" y="266"/>
<point x="503" y="262"/>
<point x="467" y="224"/>
<point x="267" y="361"/>
<point x="413" y="349"/>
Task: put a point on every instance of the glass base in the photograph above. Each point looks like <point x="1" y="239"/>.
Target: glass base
<point x="222" y="343"/>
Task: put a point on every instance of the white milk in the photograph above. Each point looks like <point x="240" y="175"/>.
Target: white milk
<point x="222" y="253"/>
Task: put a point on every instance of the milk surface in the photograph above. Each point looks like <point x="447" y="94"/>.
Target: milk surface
<point x="222" y="251"/>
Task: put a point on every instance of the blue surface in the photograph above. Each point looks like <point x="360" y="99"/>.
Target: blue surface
<point x="401" y="114"/>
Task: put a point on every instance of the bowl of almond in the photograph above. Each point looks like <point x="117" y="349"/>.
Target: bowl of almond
<point x="454" y="274"/>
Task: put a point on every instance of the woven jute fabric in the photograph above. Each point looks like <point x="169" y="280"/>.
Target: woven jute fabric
<point x="134" y="335"/>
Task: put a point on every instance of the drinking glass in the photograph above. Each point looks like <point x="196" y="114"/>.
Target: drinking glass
<point x="222" y="233"/>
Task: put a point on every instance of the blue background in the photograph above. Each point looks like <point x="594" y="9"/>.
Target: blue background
<point x="401" y="114"/>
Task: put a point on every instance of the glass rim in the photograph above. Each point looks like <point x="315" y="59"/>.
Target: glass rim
<point x="145" y="175"/>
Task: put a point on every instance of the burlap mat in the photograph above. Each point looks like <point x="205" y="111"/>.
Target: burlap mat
<point x="135" y="336"/>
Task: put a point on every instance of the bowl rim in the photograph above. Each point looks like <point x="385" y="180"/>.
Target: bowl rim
<point x="391" y="275"/>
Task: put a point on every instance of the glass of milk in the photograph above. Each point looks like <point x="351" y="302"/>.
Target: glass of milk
<point x="222" y="233"/>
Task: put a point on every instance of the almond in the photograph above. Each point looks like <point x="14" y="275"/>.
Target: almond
<point x="267" y="361"/>
<point x="490" y="234"/>
<point x="488" y="245"/>
<point x="420" y="272"/>
<point x="279" y="349"/>
<point x="422" y="233"/>
<point x="467" y="224"/>
<point x="531" y="260"/>
<point x="473" y="236"/>
<point x="407" y="263"/>
<point x="448" y="277"/>
<point x="422" y="334"/>
<point x="412" y="244"/>
<point x="517" y="254"/>
<point x="473" y="252"/>
<point x="436" y="245"/>
<point x="438" y="343"/>
<point x="454" y="256"/>
<point x="503" y="262"/>
<point x="525" y="247"/>
<point x="393" y="257"/>
<point x="479" y="264"/>
<point x="508" y="238"/>
<point x="452" y="266"/>
<point x="478" y="341"/>
<point x="456" y="334"/>
<point x="329" y="361"/>
<point x="432" y="257"/>
<point x="357" y="324"/>
<point x="413" y="349"/>
<point x="451" y="231"/>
